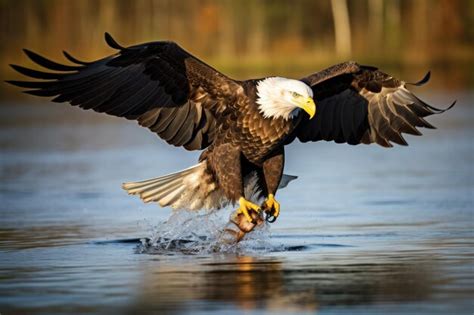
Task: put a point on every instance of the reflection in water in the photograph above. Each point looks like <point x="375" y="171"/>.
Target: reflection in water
<point x="254" y="283"/>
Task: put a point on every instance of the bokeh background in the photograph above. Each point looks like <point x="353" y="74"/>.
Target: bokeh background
<point x="255" y="38"/>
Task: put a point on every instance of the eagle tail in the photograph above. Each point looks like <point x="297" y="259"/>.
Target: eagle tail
<point x="193" y="188"/>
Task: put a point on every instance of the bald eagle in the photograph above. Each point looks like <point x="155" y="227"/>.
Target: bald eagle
<point x="241" y="126"/>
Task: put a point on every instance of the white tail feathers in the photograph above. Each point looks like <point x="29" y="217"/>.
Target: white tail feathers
<point x="193" y="188"/>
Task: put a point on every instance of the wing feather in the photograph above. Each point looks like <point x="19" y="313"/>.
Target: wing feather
<point x="327" y="123"/>
<point x="165" y="120"/>
<point x="37" y="74"/>
<point x="158" y="84"/>
<point x="360" y="104"/>
<point x="175" y="125"/>
<point x="186" y="129"/>
<point x="42" y="61"/>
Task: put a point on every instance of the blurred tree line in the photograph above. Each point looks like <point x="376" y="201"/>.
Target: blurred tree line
<point x="252" y="37"/>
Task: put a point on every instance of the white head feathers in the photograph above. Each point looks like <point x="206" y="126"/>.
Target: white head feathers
<point x="276" y="97"/>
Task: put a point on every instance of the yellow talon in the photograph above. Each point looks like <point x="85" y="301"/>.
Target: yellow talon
<point x="271" y="206"/>
<point x="245" y="206"/>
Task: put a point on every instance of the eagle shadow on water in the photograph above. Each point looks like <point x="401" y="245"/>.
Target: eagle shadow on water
<point x="242" y="127"/>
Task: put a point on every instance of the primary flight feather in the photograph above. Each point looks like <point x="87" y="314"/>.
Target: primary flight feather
<point x="242" y="126"/>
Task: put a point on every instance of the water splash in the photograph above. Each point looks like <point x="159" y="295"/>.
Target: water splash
<point x="191" y="232"/>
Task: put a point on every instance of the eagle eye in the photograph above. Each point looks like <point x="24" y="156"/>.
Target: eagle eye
<point x="295" y="94"/>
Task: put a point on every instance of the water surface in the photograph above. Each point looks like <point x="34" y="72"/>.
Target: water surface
<point x="363" y="229"/>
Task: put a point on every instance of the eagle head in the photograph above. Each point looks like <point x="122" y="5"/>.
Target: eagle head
<point x="284" y="98"/>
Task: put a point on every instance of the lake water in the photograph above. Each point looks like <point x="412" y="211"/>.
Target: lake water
<point x="364" y="230"/>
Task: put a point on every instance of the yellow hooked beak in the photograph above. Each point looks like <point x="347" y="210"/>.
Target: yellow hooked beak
<point x="308" y="105"/>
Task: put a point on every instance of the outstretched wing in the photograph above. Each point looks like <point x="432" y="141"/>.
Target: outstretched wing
<point x="360" y="104"/>
<point x="158" y="84"/>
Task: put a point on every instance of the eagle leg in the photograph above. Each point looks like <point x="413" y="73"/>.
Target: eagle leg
<point x="245" y="207"/>
<point x="271" y="208"/>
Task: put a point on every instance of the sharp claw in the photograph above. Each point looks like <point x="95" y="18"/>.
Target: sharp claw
<point x="245" y="206"/>
<point x="270" y="218"/>
<point x="272" y="209"/>
<point x="248" y="217"/>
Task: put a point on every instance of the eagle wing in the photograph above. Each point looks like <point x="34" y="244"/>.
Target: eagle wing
<point x="360" y="104"/>
<point x="158" y="84"/>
